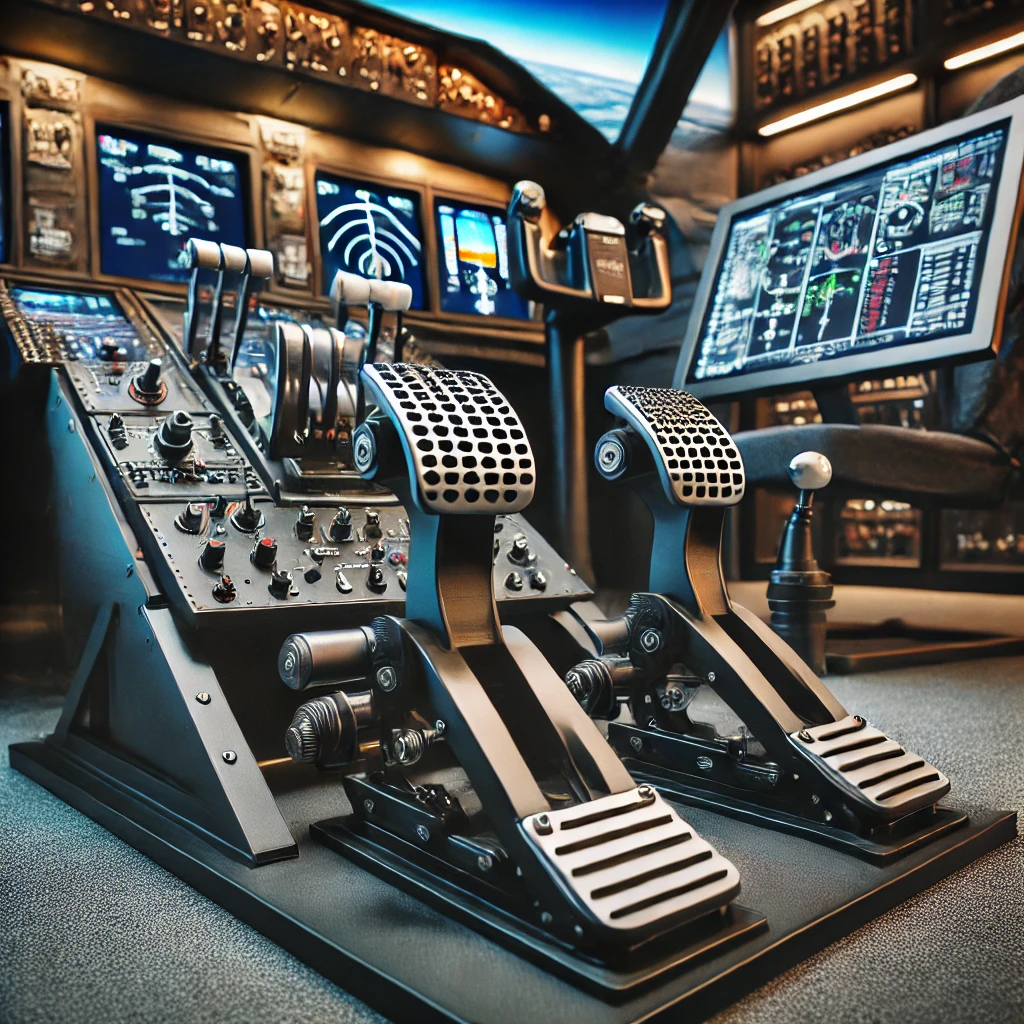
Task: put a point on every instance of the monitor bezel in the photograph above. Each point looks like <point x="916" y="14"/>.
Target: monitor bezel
<point x="982" y="339"/>
<point x="484" y="205"/>
<point x="7" y="199"/>
<point x="385" y="184"/>
<point x="246" y="158"/>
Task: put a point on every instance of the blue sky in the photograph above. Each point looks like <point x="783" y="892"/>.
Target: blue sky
<point x="611" y="38"/>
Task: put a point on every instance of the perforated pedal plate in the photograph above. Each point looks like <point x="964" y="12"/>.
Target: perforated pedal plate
<point x="874" y="769"/>
<point x="632" y="861"/>
<point x="467" y="448"/>
<point x="697" y="460"/>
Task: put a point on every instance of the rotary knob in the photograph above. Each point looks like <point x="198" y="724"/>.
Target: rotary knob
<point x="377" y="553"/>
<point x="190" y="518"/>
<point x="212" y="558"/>
<point x="302" y="740"/>
<point x="376" y="580"/>
<point x="224" y="591"/>
<point x="371" y="531"/>
<point x="264" y="554"/>
<point x="513" y="581"/>
<point x="280" y="583"/>
<point x="305" y="524"/>
<point x="340" y="530"/>
<point x="519" y="553"/>
<point x="174" y="438"/>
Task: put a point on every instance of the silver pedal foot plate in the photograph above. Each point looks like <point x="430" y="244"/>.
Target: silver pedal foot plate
<point x="632" y="861"/>
<point x="874" y="769"/>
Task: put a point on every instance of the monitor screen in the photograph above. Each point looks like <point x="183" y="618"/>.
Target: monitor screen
<point x="472" y="253"/>
<point x="155" y="194"/>
<point x="882" y="259"/>
<point x="4" y="257"/>
<point x="370" y="230"/>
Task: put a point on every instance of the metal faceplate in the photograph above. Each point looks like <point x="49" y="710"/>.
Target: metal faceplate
<point x="892" y="780"/>
<point x="468" y="451"/>
<point x="697" y="460"/>
<point x="631" y="861"/>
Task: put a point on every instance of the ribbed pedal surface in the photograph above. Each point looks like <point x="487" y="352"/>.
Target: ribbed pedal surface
<point x="469" y="450"/>
<point x="892" y="779"/>
<point x="699" y="461"/>
<point x="632" y="861"/>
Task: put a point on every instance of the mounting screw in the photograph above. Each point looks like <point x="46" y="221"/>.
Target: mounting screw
<point x="542" y="825"/>
<point x="439" y="725"/>
<point x="578" y="931"/>
<point x="650" y="640"/>
<point x="858" y="720"/>
<point x="485" y="862"/>
<point x="203" y="698"/>
<point x="828" y="815"/>
<point x="546" y="919"/>
<point x="805" y="736"/>
<point x="815" y="799"/>
<point x="711" y="677"/>
<point x="423" y="832"/>
<point x="636" y="743"/>
<point x="229" y="756"/>
<point x="368" y="805"/>
<point x="646" y="793"/>
<point x="387" y="679"/>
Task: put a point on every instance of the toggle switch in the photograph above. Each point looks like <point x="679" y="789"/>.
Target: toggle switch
<point x="147" y="388"/>
<point x="247" y="517"/>
<point x="264" y="554"/>
<point x="513" y="581"/>
<point x="371" y="531"/>
<point x="377" y="553"/>
<point x="224" y="591"/>
<point x="519" y="553"/>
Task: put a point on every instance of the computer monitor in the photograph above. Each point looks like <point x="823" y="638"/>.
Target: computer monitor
<point x="472" y="255"/>
<point x="893" y="258"/>
<point x="372" y="230"/>
<point x="155" y="193"/>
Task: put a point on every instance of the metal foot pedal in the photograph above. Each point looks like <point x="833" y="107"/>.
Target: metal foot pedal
<point x="791" y="747"/>
<point x="633" y="860"/>
<point x="468" y="759"/>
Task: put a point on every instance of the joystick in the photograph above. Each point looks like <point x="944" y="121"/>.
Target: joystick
<point x="492" y="768"/>
<point x="792" y="752"/>
<point x="147" y="388"/>
<point x="174" y="438"/>
<point x="247" y="518"/>
<point x="800" y="592"/>
<point x="340" y="530"/>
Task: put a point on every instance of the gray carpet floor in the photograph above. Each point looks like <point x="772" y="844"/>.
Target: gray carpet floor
<point x="92" y="931"/>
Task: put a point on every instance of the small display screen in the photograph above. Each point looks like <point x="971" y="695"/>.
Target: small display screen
<point x="85" y="321"/>
<point x="157" y="193"/>
<point x="890" y="257"/>
<point x="473" y="261"/>
<point x="370" y="230"/>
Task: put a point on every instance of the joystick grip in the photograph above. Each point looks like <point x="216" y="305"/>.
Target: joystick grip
<point x="465" y="447"/>
<point x="810" y="471"/>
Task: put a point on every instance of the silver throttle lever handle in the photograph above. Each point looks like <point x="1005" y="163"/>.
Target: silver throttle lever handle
<point x="204" y="257"/>
<point x="258" y="270"/>
<point x="234" y="265"/>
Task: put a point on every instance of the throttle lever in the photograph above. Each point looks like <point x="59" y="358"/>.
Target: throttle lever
<point x="234" y="263"/>
<point x="259" y="269"/>
<point x="202" y="256"/>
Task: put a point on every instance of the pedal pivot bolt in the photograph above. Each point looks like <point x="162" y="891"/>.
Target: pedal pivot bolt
<point x="542" y="825"/>
<point x="650" y="640"/>
<point x="387" y="678"/>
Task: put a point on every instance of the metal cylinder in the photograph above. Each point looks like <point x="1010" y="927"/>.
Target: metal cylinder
<point x="325" y="730"/>
<point x="335" y="657"/>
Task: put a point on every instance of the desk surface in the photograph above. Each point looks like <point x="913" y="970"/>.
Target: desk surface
<point x="91" y="930"/>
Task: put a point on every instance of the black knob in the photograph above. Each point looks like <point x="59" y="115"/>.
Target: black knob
<point x="377" y="553"/>
<point x="519" y="553"/>
<point x="174" y="438"/>
<point x="117" y="432"/>
<point x="212" y="557"/>
<point x="147" y="388"/>
<point x="376" y="580"/>
<point x="109" y="350"/>
<point x="538" y="581"/>
<point x="224" y="591"/>
<point x="280" y="583"/>
<point x="219" y="507"/>
<point x="190" y="518"/>
<point x="513" y="581"/>
<point x="305" y="524"/>
<point x="264" y="554"/>
<point x="340" y="529"/>
<point x="247" y="517"/>
<point x="371" y="531"/>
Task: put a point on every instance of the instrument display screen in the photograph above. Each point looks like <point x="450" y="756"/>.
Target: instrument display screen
<point x="155" y="193"/>
<point x="370" y="230"/>
<point x="473" y="261"/>
<point x="889" y="257"/>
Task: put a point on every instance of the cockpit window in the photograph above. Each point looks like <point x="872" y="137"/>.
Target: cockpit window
<point x="592" y="54"/>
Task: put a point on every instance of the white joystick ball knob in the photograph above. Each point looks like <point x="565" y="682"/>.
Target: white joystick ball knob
<point x="810" y="471"/>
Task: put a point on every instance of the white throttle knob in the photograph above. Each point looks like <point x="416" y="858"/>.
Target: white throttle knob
<point x="810" y="471"/>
